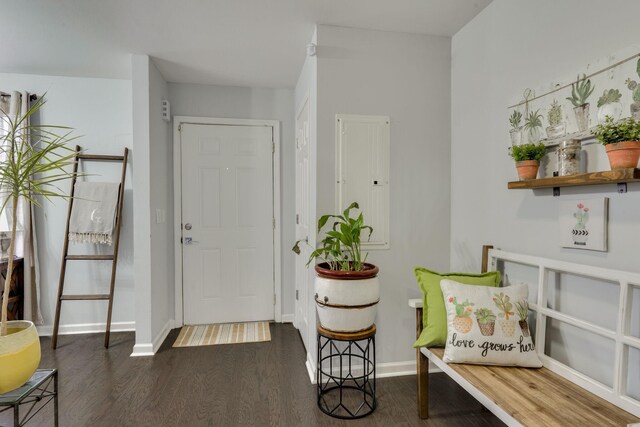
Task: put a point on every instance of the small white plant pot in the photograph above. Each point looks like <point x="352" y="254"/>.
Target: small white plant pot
<point x="516" y="136"/>
<point x="582" y="117"/>
<point x="557" y="131"/>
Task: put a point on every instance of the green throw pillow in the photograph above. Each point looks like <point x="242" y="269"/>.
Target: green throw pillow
<point x="434" y="313"/>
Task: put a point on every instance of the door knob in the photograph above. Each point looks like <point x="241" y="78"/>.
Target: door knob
<point x="187" y="226"/>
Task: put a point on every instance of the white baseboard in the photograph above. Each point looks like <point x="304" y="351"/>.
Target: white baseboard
<point x="311" y="368"/>
<point x="86" y="328"/>
<point x="287" y="318"/>
<point x="149" y="349"/>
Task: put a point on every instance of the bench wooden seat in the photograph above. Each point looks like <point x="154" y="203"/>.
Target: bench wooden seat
<point x="543" y="397"/>
<point x="532" y="397"/>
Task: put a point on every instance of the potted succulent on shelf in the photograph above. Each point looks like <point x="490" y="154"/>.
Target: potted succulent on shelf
<point x="580" y="92"/>
<point x="621" y="140"/>
<point x="609" y="105"/>
<point x="31" y="165"/>
<point x="634" y="87"/>
<point x="557" y="127"/>
<point x="486" y="321"/>
<point x="516" y="130"/>
<point x="347" y="289"/>
<point x="527" y="157"/>
<point x="533" y="125"/>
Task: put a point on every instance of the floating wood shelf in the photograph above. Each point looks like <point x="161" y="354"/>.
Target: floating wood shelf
<point x="618" y="176"/>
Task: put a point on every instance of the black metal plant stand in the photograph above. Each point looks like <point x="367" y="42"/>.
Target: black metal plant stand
<point x="346" y="373"/>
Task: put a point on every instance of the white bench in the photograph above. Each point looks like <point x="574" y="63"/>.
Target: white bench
<point x="555" y="395"/>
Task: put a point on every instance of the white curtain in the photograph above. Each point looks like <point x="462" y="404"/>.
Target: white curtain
<point x="26" y="243"/>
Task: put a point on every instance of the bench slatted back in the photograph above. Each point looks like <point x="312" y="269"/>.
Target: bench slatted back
<point x="621" y="336"/>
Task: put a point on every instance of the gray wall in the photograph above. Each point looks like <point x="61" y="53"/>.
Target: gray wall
<point x="494" y="58"/>
<point x="261" y="104"/>
<point x="406" y="77"/>
<point x="510" y="46"/>
<point x="100" y="111"/>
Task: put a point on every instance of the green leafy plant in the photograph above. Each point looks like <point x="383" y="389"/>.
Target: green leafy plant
<point x="485" y="315"/>
<point x="609" y="96"/>
<point x="463" y="309"/>
<point x="515" y="119"/>
<point x="611" y="132"/>
<point x="341" y="246"/>
<point x="533" y="120"/>
<point x="503" y="302"/>
<point x="32" y="163"/>
<point x="528" y="152"/>
<point x="522" y="307"/>
<point x="580" y="91"/>
<point x="555" y="114"/>
<point x="633" y="86"/>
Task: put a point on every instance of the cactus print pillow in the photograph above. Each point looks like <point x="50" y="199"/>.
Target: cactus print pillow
<point x="488" y="326"/>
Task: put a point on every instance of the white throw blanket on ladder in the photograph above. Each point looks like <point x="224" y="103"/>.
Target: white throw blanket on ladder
<point x="93" y="214"/>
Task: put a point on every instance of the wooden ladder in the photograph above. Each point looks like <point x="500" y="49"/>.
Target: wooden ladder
<point x="113" y="258"/>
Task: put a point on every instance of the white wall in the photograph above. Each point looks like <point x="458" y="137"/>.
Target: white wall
<point x="510" y="46"/>
<point x="261" y="104"/>
<point x="142" y="220"/>
<point x="307" y="86"/>
<point x="153" y="181"/>
<point x="161" y="192"/>
<point x="406" y="77"/>
<point x="100" y="111"/>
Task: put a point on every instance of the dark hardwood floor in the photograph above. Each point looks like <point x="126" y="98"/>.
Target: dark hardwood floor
<point x="261" y="384"/>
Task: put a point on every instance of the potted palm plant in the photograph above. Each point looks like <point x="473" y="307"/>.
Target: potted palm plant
<point x="621" y="140"/>
<point x="32" y="162"/>
<point x="527" y="157"/>
<point x="347" y="289"/>
<point x="580" y="92"/>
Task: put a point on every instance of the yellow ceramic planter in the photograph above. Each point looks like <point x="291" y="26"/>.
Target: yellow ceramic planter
<point x="19" y="355"/>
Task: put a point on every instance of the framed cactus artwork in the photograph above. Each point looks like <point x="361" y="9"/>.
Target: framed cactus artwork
<point x="584" y="223"/>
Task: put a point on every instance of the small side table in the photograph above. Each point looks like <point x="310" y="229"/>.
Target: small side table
<point x="346" y="373"/>
<point x="34" y="395"/>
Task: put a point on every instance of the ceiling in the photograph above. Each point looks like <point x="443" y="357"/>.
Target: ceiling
<point x="255" y="43"/>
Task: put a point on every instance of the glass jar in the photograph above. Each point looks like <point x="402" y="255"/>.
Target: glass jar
<point x="569" y="157"/>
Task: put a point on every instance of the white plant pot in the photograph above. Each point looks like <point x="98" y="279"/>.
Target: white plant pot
<point x="347" y="304"/>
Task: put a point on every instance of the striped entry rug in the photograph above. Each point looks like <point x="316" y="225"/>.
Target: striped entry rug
<point x="223" y="333"/>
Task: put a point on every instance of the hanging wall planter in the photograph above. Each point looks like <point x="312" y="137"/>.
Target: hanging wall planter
<point x="580" y="92"/>
<point x="633" y="86"/>
<point x="609" y="105"/>
<point x="557" y="127"/>
<point x="516" y="130"/>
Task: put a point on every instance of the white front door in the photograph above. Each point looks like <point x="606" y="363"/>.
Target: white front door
<point x="227" y="216"/>
<point x="302" y="220"/>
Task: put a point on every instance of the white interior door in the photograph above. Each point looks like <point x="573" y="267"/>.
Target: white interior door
<point x="302" y="220"/>
<point x="228" y="226"/>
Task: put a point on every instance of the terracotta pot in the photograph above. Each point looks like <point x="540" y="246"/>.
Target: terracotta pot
<point x="347" y="301"/>
<point x="623" y="154"/>
<point x="19" y="355"/>
<point x="527" y="169"/>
